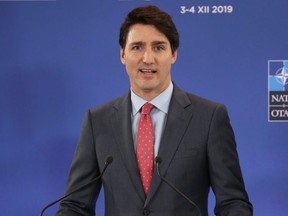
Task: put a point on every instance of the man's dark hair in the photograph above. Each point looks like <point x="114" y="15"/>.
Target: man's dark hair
<point x="150" y="15"/>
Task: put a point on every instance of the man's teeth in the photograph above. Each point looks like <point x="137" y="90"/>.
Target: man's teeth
<point x="147" y="71"/>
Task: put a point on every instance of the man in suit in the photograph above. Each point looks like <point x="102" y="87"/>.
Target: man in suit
<point x="192" y="135"/>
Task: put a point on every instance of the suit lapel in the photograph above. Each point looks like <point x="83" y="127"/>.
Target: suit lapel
<point x="122" y="129"/>
<point x="177" y="122"/>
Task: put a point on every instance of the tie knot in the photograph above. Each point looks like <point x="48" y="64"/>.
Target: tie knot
<point x="146" y="108"/>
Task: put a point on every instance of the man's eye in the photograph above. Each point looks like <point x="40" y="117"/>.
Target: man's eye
<point x="159" y="48"/>
<point x="136" y="48"/>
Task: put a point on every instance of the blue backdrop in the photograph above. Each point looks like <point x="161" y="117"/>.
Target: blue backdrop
<point x="59" y="58"/>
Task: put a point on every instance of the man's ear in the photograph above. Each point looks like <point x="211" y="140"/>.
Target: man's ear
<point x="174" y="56"/>
<point x="122" y="56"/>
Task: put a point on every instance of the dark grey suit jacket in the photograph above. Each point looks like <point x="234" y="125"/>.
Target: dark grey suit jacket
<point x="197" y="148"/>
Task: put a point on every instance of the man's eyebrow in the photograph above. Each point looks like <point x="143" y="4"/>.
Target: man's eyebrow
<point x="153" y="43"/>
<point x="159" y="42"/>
<point x="136" y="43"/>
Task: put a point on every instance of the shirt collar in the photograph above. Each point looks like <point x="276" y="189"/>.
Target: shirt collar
<point x="161" y="102"/>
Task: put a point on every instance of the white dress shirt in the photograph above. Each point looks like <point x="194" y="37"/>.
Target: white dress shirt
<point x="158" y="114"/>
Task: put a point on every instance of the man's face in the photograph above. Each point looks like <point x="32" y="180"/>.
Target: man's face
<point x="148" y="58"/>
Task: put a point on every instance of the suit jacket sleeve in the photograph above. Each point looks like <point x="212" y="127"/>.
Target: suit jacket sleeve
<point x="84" y="168"/>
<point x="224" y="169"/>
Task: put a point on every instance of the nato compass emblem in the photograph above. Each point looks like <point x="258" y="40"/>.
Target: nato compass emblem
<point x="278" y="90"/>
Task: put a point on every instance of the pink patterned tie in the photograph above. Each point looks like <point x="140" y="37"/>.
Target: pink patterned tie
<point x="145" y="146"/>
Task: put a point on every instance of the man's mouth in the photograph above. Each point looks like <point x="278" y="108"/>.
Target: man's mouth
<point x="147" y="71"/>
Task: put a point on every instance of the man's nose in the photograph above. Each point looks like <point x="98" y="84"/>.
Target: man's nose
<point x="148" y="57"/>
